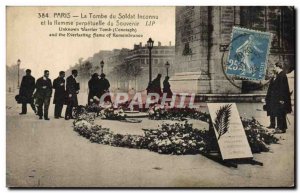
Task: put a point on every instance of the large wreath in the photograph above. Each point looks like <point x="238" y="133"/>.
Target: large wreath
<point x="176" y="138"/>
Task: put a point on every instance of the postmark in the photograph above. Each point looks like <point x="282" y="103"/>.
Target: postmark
<point x="248" y="53"/>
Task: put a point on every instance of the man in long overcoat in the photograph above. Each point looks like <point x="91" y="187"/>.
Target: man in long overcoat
<point x="167" y="87"/>
<point x="59" y="95"/>
<point x="94" y="88"/>
<point x="156" y="86"/>
<point x="104" y="88"/>
<point x="72" y="89"/>
<point x="278" y="100"/>
<point x="43" y="95"/>
<point x="26" y="92"/>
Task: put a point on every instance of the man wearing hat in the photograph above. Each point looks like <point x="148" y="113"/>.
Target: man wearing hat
<point x="72" y="89"/>
<point x="59" y="95"/>
<point x="167" y="87"/>
<point x="43" y="95"/>
<point x="104" y="87"/>
<point x="94" y="88"/>
<point x="278" y="100"/>
<point x="156" y="86"/>
<point x="26" y="92"/>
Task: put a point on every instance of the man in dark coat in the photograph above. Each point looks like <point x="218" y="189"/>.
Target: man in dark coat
<point x="278" y="100"/>
<point x="59" y="95"/>
<point x="156" y="87"/>
<point x="167" y="87"/>
<point x="72" y="89"/>
<point x="149" y="87"/>
<point x="26" y="92"/>
<point x="43" y="95"/>
<point x="104" y="87"/>
<point x="94" y="88"/>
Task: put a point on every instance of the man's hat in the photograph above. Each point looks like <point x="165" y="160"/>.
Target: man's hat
<point x="74" y="71"/>
<point x="102" y="75"/>
<point x="95" y="75"/>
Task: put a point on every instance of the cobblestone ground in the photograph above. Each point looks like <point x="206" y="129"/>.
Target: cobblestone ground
<point x="50" y="154"/>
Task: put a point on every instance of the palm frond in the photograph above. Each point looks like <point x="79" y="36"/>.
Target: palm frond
<point x="222" y="120"/>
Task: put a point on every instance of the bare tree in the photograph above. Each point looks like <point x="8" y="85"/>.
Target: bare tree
<point x="80" y="61"/>
<point x="135" y="71"/>
<point x="85" y="71"/>
<point x="119" y="74"/>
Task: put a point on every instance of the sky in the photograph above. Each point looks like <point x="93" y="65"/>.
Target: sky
<point x="29" y="41"/>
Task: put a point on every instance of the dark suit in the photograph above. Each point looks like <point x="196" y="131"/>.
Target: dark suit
<point x="156" y="88"/>
<point x="26" y="91"/>
<point x="59" y="95"/>
<point x="278" y="91"/>
<point x="104" y="88"/>
<point x="72" y="88"/>
<point x="167" y="89"/>
<point x="43" y="95"/>
<point x="94" y="88"/>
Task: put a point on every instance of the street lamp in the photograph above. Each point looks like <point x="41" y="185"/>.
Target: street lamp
<point x="167" y="67"/>
<point x="150" y="46"/>
<point x="102" y="65"/>
<point x="19" y="63"/>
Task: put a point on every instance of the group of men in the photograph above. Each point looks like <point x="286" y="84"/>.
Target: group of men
<point x="155" y="87"/>
<point x="98" y="87"/>
<point x="278" y="100"/>
<point x="39" y="93"/>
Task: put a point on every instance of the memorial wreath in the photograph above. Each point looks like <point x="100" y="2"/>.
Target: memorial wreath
<point x="175" y="138"/>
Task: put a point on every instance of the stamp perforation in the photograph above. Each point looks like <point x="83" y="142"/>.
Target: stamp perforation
<point x="261" y="72"/>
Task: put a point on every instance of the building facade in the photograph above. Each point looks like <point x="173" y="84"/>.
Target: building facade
<point x="203" y="35"/>
<point x="139" y="56"/>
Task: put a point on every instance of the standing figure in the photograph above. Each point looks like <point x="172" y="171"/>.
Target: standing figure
<point x="59" y="95"/>
<point x="156" y="87"/>
<point x="94" y="88"/>
<point x="43" y="95"/>
<point x="149" y="88"/>
<point x="26" y="92"/>
<point x="167" y="87"/>
<point x="104" y="87"/>
<point x="72" y="89"/>
<point x="278" y="100"/>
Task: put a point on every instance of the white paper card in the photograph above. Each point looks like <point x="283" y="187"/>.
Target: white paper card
<point x="229" y="131"/>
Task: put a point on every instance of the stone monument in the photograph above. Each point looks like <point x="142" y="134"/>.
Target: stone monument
<point x="203" y="35"/>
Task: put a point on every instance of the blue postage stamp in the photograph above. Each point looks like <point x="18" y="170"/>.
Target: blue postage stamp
<point x="248" y="53"/>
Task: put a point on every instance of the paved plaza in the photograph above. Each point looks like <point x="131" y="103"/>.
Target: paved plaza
<point x="50" y="154"/>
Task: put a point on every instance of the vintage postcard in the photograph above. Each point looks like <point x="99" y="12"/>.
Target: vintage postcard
<point x="150" y="97"/>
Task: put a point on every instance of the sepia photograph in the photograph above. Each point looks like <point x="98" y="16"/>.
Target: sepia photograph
<point x="150" y="96"/>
